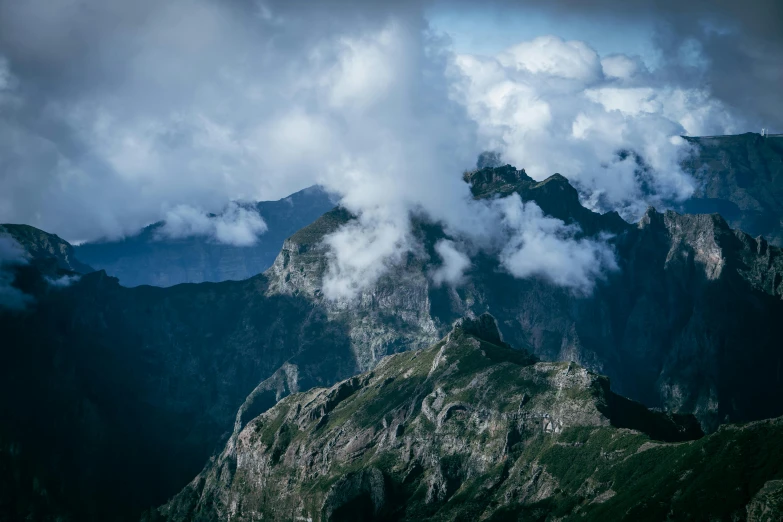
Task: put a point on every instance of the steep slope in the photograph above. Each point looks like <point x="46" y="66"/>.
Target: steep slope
<point x="146" y="259"/>
<point x="740" y="177"/>
<point x="469" y="429"/>
<point x="45" y="249"/>
<point x="100" y="384"/>
<point x="134" y="379"/>
<point x="687" y="322"/>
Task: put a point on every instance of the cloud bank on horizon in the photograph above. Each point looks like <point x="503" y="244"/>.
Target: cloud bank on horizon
<point x="117" y="114"/>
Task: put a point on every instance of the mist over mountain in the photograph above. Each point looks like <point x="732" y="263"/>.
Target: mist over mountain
<point x="163" y="254"/>
<point x="686" y="321"/>
<point x="581" y="324"/>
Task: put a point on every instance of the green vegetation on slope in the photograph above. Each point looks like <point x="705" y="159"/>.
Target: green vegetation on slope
<point x="470" y="430"/>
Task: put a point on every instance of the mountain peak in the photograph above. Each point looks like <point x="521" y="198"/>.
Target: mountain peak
<point x="44" y="247"/>
<point x="496" y="180"/>
<point x="483" y="327"/>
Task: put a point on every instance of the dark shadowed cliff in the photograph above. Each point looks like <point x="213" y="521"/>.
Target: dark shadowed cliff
<point x="103" y="383"/>
<point x="740" y="177"/>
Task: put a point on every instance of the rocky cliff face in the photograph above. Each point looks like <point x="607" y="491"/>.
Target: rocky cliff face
<point x="740" y="177"/>
<point x="49" y="251"/>
<point x="100" y="383"/>
<point x="147" y="259"/>
<point x="133" y="379"/>
<point x="469" y="429"/>
<point x="680" y="325"/>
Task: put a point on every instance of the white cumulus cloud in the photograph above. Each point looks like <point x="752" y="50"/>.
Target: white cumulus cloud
<point x="555" y="106"/>
<point x="454" y="264"/>
<point x="540" y="245"/>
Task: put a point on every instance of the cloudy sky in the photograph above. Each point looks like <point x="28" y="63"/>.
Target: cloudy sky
<point x="115" y="114"/>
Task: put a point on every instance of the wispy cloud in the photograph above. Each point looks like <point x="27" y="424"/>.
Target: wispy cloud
<point x="11" y="254"/>
<point x="235" y="225"/>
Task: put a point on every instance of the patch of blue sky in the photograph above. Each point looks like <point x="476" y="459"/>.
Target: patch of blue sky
<point x="489" y="30"/>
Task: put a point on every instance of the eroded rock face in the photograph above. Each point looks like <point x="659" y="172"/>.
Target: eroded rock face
<point x="467" y="429"/>
<point x="740" y="177"/>
<point x="688" y="322"/>
<point x="767" y="505"/>
<point x="392" y="316"/>
<point x="679" y="325"/>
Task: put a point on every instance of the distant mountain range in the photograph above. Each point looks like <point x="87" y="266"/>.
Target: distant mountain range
<point x="739" y="177"/>
<point x="149" y="259"/>
<point x="113" y="398"/>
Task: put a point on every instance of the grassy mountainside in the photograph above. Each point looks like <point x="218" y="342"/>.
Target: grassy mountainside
<point x="684" y="323"/>
<point x="134" y="379"/>
<point x="470" y="429"/>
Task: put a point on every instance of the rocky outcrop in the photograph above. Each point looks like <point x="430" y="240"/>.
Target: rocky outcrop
<point x="133" y="379"/>
<point x="148" y="259"/>
<point x="767" y="504"/>
<point x="672" y="327"/>
<point x="555" y="195"/>
<point x="740" y="177"/>
<point x="468" y="429"/>
<point x="48" y="250"/>
<point x="390" y="317"/>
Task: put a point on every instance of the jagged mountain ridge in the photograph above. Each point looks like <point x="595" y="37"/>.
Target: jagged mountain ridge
<point x="146" y="259"/>
<point x="737" y="176"/>
<point x="205" y="348"/>
<point x="691" y="299"/>
<point x="45" y="249"/>
<point x="469" y="429"/>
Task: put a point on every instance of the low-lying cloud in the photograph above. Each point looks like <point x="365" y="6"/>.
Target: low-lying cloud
<point x="543" y="246"/>
<point x="11" y="255"/>
<point x="174" y="109"/>
<point x="454" y="264"/>
<point x="236" y="225"/>
<point x="607" y="123"/>
<point x="63" y="281"/>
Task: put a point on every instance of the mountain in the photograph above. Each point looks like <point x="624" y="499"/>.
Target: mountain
<point x="149" y="259"/>
<point x="469" y="429"/>
<point x="740" y="177"/>
<point x="685" y="323"/>
<point x="44" y="248"/>
<point x="100" y="384"/>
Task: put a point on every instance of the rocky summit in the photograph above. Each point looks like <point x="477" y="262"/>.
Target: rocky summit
<point x="470" y="429"/>
<point x="666" y="326"/>
<point x="134" y="379"/>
